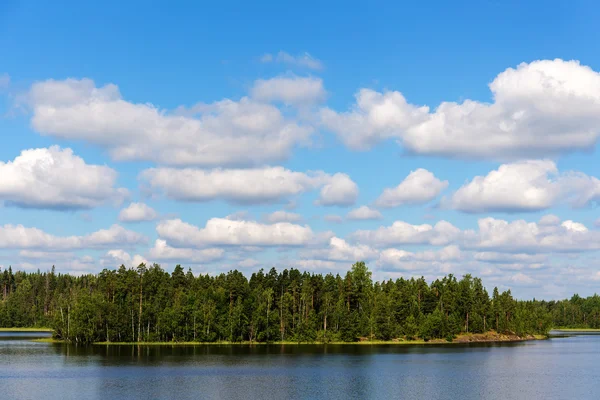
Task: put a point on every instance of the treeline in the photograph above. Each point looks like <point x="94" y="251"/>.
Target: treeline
<point x="150" y="304"/>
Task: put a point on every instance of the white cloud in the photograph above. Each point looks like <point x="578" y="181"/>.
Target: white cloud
<point x="282" y="216"/>
<point x="55" y="178"/>
<point x="72" y="265"/>
<point x="402" y="260"/>
<point x="549" y="219"/>
<point x="543" y="108"/>
<point x="321" y="266"/>
<point x="597" y="223"/>
<point x="226" y="132"/>
<point x="45" y="255"/>
<point x="364" y="213"/>
<point x="507" y="258"/>
<point x="304" y="60"/>
<point x="293" y="90"/>
<point x="163" y="252"/>
<point x="250" y="186"/>
<point x="401" y="232"/>
<point x="340" y="191"/>
<point x="340" y="250"/>
<point x="219" y="231"/>
<point x="248" y="263"/>
<point x="525" y="186"/>
<point x="419" y="187"/>
<point x="375" y="117"/>
<point x="520" y="236"/>
<point x="20" y="237"/>
<point x="522" y="279"/>
<point x="116" y="258"/>
<point x="136" y="212"/>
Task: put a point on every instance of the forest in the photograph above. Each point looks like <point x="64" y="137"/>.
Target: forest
<point x="148" y="304"/>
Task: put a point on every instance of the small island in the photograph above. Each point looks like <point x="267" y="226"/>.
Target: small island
<point x="148" y="305"/>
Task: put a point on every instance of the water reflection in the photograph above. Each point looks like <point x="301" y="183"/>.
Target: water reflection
<point x="552" y="369"/>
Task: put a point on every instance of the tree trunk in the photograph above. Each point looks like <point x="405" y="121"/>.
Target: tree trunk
<point x="140" y="315"/>
<point x="132" y="326"/>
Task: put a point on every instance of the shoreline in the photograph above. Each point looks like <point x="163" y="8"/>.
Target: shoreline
<point x="26" y="330"/>
<point x="575" y="330"/>
<point x="460" y="339"/>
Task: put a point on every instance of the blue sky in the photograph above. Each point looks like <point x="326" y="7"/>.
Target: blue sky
<point x="172" y="133"/>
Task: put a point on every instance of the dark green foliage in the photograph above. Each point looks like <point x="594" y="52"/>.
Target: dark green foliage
<point x="150" y="304"/>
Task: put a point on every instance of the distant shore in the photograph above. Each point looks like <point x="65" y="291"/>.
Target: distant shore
<point x="576" y="330"/>
<point x="465" y="338"/>
<point x="26" y="330"/>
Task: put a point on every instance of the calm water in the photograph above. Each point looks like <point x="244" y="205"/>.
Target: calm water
<point x="560" y="368"/>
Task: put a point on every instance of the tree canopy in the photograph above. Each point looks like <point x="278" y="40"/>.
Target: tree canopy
<point x="149" y="304"/>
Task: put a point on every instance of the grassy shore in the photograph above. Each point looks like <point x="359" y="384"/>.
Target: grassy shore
<point x="464" y="338"/>
<point x="460" y="339"/>
<point x="26" y="329"/>
<point x="576" y="329"/>
<point x="228" y="343"/>
<point x="47" y="340"/>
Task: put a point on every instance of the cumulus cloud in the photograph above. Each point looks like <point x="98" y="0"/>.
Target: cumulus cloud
<point x="374" y="118"/>
<point x="45" y="255"/>
<point x="340" y="250"/>
<point x="248" y="263"/>
<point x="339" y="191"/>
<point x="292" y="90"/>
<point x="419" y="187"/>
<point x="72" y="264"/>
<point x="522" y="279"/>
<point x="542" y="108"/>
<point x="520" y="236"/>
<point x="249" y="186"/>
<point x="137" y="212"/>
<point x="395" y="259"/>
<point x="115" y="258"/>
<point x="240" y="215"/>
<point x="401" y="232"/>
<point x="227" y="132"/>
<point x="20" y="237"/>
<point x="549" y="219"/>
<point x="163" y="252"/>
<point x="363" y="213"/>
<point x="282" y="216"/>
<point x="320" y="266"/>
<point x="55" y="178"/>
<point x="304" y="60"/>
<point x="525" y="186"/>
<point x="219" y="231"/>
<point x="507" y="258"/>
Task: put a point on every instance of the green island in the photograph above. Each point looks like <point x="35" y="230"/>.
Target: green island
<point x="149" y="306"/>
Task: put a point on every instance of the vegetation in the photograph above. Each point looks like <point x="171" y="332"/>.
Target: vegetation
<point x="29" y="329"/>
<point x="147" y="304"/>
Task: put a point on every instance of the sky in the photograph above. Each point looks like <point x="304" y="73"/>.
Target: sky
<point x="424" y="138"/>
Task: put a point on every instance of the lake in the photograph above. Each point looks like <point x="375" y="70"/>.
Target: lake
<point x="558" y="368"/>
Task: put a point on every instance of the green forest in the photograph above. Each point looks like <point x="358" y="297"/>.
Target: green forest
<point x="148" y="304"/>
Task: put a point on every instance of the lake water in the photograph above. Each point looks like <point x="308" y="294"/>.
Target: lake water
<point x="559" y="368"/>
